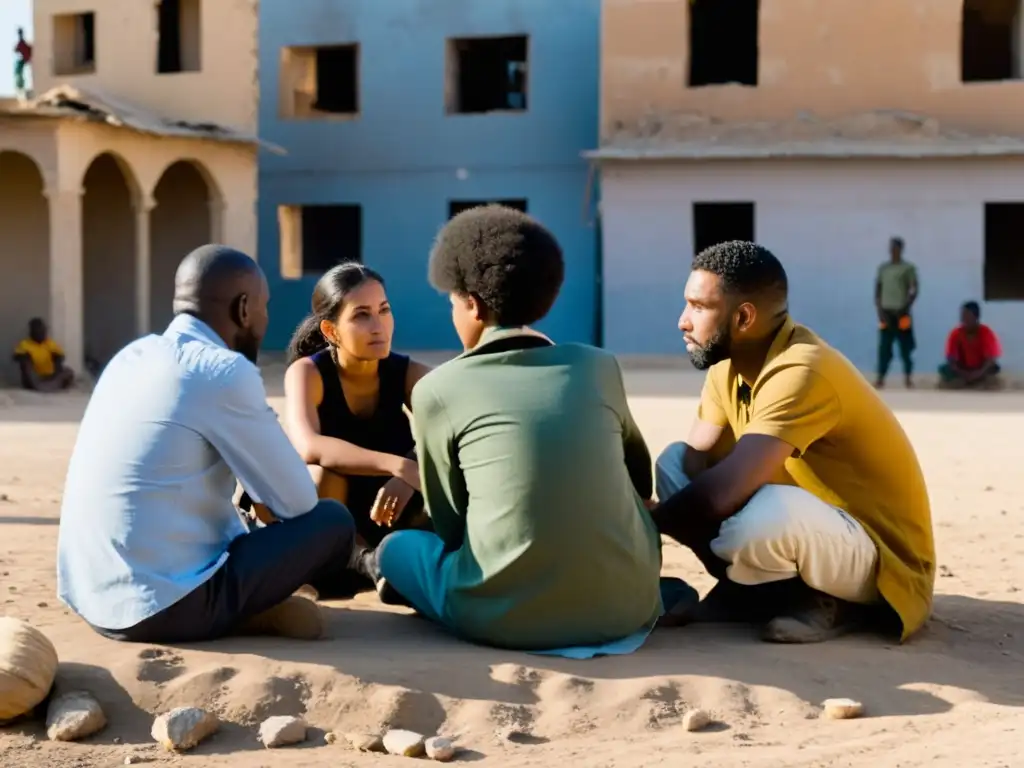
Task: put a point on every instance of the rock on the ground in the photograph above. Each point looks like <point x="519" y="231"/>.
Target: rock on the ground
<point x="184" y="728"/>
<point x="282" y="731"/>
<point x="330" y="737"/>
<point x="440" y="749"/>
<point x="841" y="709"/>
<point x="405" y="743"/>
<point x="28" y="666"/>
<point x="365" y="742"/>
<point x="696" y="720"/>
<point x="74" y="715"/>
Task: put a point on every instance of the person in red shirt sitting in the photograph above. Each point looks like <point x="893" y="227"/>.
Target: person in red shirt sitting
<point x="972" y="353"/>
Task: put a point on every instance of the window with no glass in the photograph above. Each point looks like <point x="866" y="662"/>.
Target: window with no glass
<point x="486" y="74"/>
<point x="455" y="207"/>
<point x="74" y="43"/>
<point x="1004" y="251"/>
<point x="990" y="41"/>
<point x="316" y="237"/>
<point x="715" y="223"/>
<point x="178" y="36"/>
<point x="319" y="82"/>
<point x="723" y="42"/>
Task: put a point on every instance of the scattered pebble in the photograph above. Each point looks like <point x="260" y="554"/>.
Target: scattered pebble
<point x="841" y="709"/>
<point x="696" y="720"/>
<point x="4" y="497"/>
<point x="439" y="749"/>
<point x="365" y="742"/>
<point x="74" y="715"/>
<point x="282" y="731"/>
<point x="184" y="728"/>
<point x="42" y="605"/>
<point x="330" y="737"/>
<point x="404" y="743"/>
<point x="945" y="573"/>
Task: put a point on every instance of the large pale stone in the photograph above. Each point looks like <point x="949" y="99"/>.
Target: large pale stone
<point x="440" y="749"/>
<point x="696" y="720"/>
<point x="184" y="728"/>
<point x="405" y="743"/>
<point x="841" y="709"/>
<point x="28" y="666"/>
<point x="282" y="731"/>
<point x="74" y="715"/>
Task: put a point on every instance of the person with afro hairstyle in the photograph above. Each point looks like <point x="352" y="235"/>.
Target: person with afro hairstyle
<point x="532" y="469"/>
<point x="797" y="487"/>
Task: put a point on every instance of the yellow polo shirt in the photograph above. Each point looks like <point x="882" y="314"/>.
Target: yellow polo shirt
<point x="41" y="355"/>
<point x="849" y="451"/>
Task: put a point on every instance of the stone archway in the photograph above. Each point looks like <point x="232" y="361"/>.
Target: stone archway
<point x="108" y="256"/>
<point x="24" y="254"/>
<point x="180" y="222"/>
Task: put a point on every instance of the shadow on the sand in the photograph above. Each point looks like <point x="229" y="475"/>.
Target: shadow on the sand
<point x="971" y="644"/>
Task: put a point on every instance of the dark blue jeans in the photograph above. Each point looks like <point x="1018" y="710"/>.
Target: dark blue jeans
<point x="264" y="567"/>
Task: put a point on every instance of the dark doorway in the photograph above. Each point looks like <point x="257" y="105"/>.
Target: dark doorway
<point x="1004" y="251"/>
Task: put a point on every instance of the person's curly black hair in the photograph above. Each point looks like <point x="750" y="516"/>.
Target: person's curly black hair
<point x="746" y="269"/>
<point x="502" y="257"/>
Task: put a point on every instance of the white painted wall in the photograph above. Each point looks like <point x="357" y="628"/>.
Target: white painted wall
<point x="830" y="223"/>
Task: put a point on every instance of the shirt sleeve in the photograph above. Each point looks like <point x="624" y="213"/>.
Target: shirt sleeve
<point x="21" y="348"/>
<point x="991" y="348"/>
<point x="437" y="457"/>
<point x="244" y="429"/>
<point x="54" y="348"/>
<point x="637" y="455"/>
<point x="711" y="408"/>
<point x="795" y="405"/>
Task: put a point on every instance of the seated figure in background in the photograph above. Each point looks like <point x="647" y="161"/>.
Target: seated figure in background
<point x="972" y="353"/>
<point x="41" y="360"/>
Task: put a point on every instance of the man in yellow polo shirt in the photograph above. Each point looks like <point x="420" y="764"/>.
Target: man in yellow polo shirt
<point x="41" y="360"/>
<point x="797" y="487"/>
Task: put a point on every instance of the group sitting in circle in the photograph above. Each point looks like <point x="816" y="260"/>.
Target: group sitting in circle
<point x="508" y="494"/>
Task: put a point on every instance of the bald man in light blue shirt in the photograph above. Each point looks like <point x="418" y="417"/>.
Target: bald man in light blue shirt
<point x="151" y="547"/>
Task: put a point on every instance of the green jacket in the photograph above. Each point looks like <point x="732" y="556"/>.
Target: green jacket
<point x="533" y="473"/>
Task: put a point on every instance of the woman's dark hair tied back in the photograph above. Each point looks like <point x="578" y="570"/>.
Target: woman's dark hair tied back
<point x="328" y="299"/>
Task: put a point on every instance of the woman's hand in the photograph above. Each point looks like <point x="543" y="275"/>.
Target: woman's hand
<point x="408" y="471"/>
<point x="391" y="501"/>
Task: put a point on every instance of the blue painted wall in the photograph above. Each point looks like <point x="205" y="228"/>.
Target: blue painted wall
<point x="399" y="158"/>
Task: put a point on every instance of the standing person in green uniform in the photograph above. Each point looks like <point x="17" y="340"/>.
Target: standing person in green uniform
<point x="896" y="289"/>
<point x="533" y="471"/>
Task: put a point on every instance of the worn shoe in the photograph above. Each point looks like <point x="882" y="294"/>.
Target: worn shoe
<point x="297" y="618"/>
<point x="818" y="618"/>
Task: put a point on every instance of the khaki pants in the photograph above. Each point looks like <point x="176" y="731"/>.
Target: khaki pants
<point x="784" y="532"/>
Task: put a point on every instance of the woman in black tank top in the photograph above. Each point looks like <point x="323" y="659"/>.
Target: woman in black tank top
<point x="345" y="394"/>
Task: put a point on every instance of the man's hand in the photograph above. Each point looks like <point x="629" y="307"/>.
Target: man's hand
<point x="391" y="501"/>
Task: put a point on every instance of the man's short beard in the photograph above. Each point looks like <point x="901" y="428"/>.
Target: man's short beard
<point x="717" y="349"/>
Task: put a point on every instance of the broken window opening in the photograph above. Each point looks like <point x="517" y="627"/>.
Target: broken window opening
<point x="320" y="81"/>
<point x="487" y="74"/>
<point x="715" y="223"/>
<point x="1004" y="251"/>
<point x="991" y="35"/>
<point x="179" y="42"/>
<point x="74" y="43"/>
<point x="723" y="42"/>
<point x="455" y="207"/>
<point x="315" y="238"/>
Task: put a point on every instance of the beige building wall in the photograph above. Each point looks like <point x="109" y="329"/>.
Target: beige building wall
<point x="96" y="220"/>
<point x="224" y="90"/>
<point x="832" y="57"/>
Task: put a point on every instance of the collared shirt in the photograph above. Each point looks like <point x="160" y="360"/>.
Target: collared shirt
<point x="147" y="515"/>
<point x="849" y="450"/>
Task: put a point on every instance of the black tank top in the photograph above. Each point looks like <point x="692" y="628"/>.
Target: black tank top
<point x="388" y="429"/>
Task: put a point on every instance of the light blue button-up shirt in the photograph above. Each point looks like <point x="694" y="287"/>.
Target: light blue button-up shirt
<point x="147" y="515"/>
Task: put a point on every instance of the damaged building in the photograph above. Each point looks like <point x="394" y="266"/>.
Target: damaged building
<point x="139" y="145"/>
<point x="820" y="129"/>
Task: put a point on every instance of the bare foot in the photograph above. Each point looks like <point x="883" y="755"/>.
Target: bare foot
<point x="308" y="591"/>
<point x="297" y="618"/>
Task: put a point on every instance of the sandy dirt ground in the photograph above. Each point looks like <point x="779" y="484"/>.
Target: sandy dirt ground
<point x="953" y="696"/>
